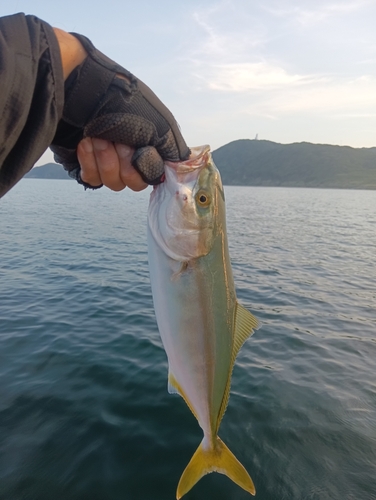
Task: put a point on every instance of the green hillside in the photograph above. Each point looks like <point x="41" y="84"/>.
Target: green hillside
<point x="265" y="163"/>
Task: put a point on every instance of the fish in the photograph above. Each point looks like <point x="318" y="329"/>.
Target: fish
<point x="201" y="323"/>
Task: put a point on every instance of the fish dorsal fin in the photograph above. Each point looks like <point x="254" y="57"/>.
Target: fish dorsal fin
<point x="245" y="326"/>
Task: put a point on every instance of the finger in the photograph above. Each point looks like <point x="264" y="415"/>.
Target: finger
<point x="88" y="163"/>
<point x="175" y="148"/>
<point x="149" y="164"/>
<point x="128" y="174"/>
<point x="108" y="164"/>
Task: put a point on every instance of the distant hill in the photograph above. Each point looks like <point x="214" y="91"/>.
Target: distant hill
<point x="265" y="163"/>
<point x="48" y="171"/>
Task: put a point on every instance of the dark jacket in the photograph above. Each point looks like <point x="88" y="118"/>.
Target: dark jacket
<point x="31" y="94"/>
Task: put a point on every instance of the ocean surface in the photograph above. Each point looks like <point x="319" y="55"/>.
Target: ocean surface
<point x="84" y="408"/>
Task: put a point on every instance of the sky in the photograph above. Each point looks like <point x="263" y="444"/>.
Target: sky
<point x="284" y="70"/>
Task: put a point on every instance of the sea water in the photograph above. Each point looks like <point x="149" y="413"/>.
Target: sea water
<point x="84" y="408"/>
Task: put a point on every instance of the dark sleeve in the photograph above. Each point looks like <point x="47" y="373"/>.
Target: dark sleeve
<point x="31" y="94"/>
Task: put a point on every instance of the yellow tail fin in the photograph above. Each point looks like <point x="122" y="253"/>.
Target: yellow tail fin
<point x="216" y="459"/>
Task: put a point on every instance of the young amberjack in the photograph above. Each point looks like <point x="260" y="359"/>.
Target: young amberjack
<point x="201" y="324"/>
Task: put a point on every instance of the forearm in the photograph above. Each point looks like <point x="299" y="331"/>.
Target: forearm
<point x="32" y="94"/>
<point x="71" y="50"/>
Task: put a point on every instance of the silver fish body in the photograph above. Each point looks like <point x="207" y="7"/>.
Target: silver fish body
<point x="201" y="324"/>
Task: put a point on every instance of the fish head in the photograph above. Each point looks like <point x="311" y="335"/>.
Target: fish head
<point x="186" y="211"/>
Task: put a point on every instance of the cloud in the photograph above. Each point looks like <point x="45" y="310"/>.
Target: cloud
<point x="226" y="32"/>
<point x="247" y="77"/>
<point x="230" y="62"/>
<point x="355" y="116"/>
<point x="346" y="97"/>
<point x="227" y="53"/>
<point x="318" y="13"/>
<point x="248" y="70"/>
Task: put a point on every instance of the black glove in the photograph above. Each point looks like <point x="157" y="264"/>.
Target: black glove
<point x="100" y="104"/>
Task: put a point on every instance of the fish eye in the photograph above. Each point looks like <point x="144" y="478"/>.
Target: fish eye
<point x="203" y="199"/>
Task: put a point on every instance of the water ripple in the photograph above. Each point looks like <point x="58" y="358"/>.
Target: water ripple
<point x="84" y="411"/>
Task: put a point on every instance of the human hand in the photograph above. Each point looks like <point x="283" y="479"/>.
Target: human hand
<point x="103" y="162"/>
<point x="105" y="101"/>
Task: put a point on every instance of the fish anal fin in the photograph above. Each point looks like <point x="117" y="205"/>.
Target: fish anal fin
<point x="172" y="385"/>
<point x="175" y="388"/>
<point x="217" y="458"/>
<point x="245" y="325"/>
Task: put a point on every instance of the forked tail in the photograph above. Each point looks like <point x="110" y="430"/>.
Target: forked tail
<point x="216" y="459"/>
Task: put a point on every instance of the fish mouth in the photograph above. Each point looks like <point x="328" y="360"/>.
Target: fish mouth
<point x="198" y="158"/>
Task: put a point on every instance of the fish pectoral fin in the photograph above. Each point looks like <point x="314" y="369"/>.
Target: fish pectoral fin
<point x="181" y="270"/>
<point x="245" y="326"/>
<point x="216" y="459"/>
